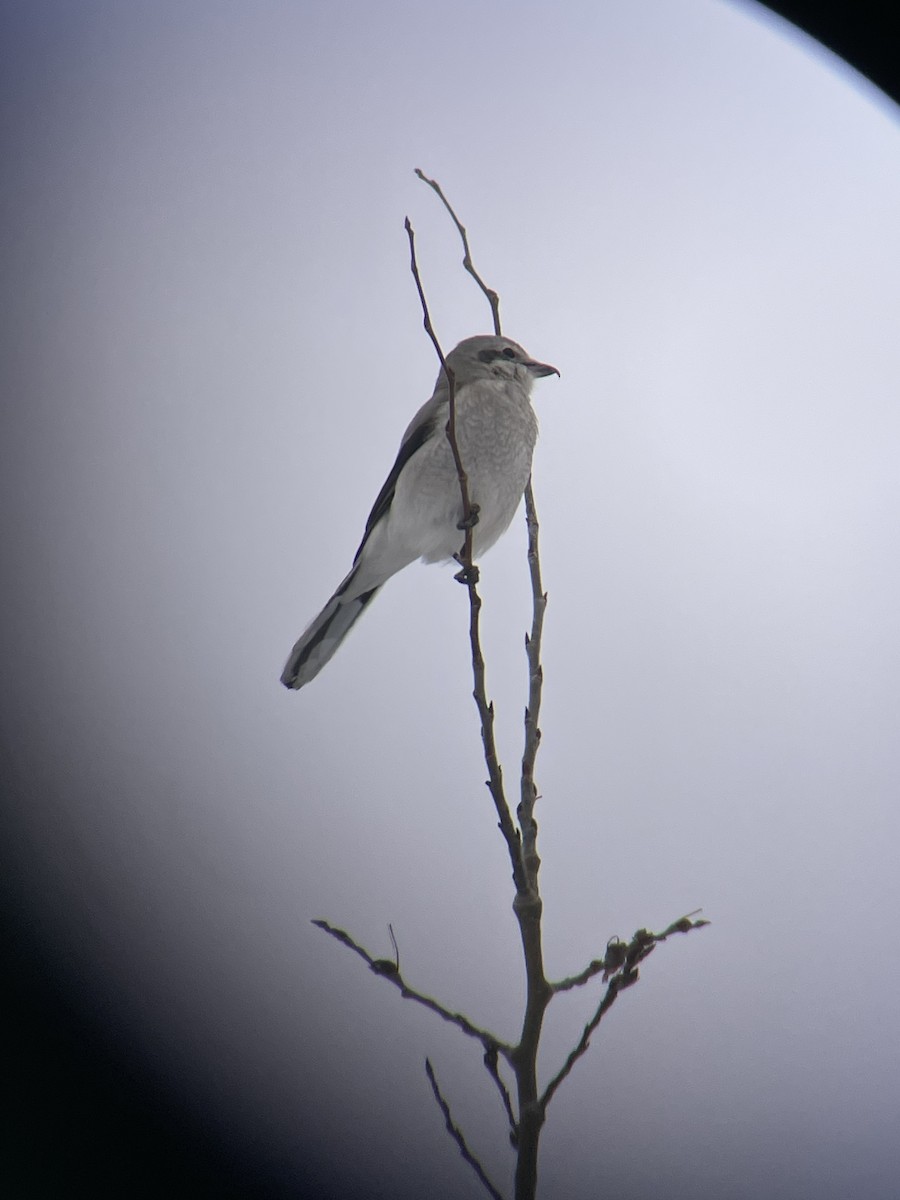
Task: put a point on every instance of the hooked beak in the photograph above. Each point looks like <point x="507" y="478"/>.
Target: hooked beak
<point x="538" y="370"/>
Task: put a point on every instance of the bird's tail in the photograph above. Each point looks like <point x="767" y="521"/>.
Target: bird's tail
<point x="320" y="640"/>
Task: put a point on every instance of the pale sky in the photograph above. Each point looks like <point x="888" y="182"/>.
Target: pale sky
<point x="212" y="347"/>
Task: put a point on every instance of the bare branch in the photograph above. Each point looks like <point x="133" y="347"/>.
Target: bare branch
<point x="526" y="1112"/>
<point x="527" y="823"/>
<point x="615" y="986"/>
<point x="495" y="772"/>
<point x="626" y="974"/>
<point x="456" y="1133"/>
<point x="522" y="846"/>
<point x="492" y="1066"/>
<point x="612" y="961"/>
<point x="388" y="970"/>
<point x="470" y="515"/>
<point x="574" y="981"/>
<point x="616" y="952"/>
<point x="492" y="298"/>
<point x="469" y="576"/>
<point x="426" y="316"/>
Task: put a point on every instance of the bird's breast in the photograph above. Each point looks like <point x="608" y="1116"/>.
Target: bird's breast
<point x="496" y="430"/>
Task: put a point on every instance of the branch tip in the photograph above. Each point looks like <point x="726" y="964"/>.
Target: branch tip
<point x="490" y="295"/>
<point x="620" y="967"/>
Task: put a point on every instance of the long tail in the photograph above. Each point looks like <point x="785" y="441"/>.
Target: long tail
<point x="320" y="640"/>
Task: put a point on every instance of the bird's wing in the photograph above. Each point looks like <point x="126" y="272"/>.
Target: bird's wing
<point x="423" y="425"/>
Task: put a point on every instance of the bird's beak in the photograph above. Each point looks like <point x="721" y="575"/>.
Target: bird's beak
<point x="540" y="369"/>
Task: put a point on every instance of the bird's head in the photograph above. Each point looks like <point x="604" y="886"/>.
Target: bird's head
<point x="490" y="357"/>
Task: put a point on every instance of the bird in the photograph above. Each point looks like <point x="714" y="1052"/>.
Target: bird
<point x="418" y="513"/>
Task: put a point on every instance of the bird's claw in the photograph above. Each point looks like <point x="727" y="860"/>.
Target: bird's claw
<point x="468" y="573"/>
<point x="471" y="520"/>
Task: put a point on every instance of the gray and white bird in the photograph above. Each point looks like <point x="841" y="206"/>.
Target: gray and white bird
<point x="418" y="512"/>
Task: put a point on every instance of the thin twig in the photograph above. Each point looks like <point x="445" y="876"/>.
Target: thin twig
<point x="583" y="977"/>
<point x="388" y="970"/>
<point x="468" y="521"/>
<point x="634" y="952"/>
<point x="529" y="910"/>
<point x="492" y="1066"/>
<point x="610" y="964"/>
<point x="426" y="316"/>
<point x="617" y="951"/>
<point x="456" y="1133"/>
<point x="615" y="986"/>
<point x="469" y="576"/>
<point x="511" y="834"/>
<point x="527" y="823"/>
<point x="492" y="297"/>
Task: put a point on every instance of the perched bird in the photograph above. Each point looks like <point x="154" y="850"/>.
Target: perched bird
<point x="419" y="512"/>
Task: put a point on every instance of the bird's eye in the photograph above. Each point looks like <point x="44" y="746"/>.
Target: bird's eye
<point x="509" y="352"/>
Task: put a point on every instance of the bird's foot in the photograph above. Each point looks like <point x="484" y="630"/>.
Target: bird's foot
<point x="471" y="520"/>
<point x="468" y="574"/>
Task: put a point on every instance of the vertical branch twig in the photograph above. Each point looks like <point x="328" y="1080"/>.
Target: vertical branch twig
<point x="469" y="576"/>
<point x="467" y="520"/>
<point x="529" y="910"/>
<point x="527" y="822"/>
<point x="528" y="906"/>
<point x="492" y="297"/>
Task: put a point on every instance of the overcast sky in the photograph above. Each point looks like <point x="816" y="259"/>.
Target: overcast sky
<point x="212" y="348"/>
